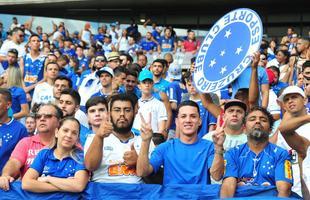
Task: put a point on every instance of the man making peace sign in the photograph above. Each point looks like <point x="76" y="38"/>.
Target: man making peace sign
<point x="186" y="160"/>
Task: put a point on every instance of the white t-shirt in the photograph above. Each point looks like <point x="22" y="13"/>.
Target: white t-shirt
<point x="123" y="44"/>
<point x="273" y="106"/>
<point x="157" y="110"/>
<point x="306" y="169"/>
<point x="86" y="36"/>
<point x="112" y="168"/>
<point x="231" y="141"/>
<point x="43" y="93"/>
<point x="89" y="86"/>
<point x="82" y="117"/>
<point x="9" y="44"/>
<point x="302" y="131"/>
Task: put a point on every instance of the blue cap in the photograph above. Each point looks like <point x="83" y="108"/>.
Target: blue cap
<point x="145" y="74"/>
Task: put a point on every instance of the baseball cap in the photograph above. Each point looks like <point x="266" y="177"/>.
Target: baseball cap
<point x="291" y="90"/>
<point x="175" y="71"/>
<point x="145" y="74"/>
<point x="100" y="58"/>
<point x="113" y="56"/>
<point x="105" y="69"/>
<point x="235" y="102"/>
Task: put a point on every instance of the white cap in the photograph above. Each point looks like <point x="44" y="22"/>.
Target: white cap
<point x="105" y="69"/>
<point x="291" y="90"/>
<point x="175" y="71"/>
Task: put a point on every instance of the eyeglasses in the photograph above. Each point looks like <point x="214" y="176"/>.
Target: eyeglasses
<point x="100" y="60"/>
<point x="45" y="116"/>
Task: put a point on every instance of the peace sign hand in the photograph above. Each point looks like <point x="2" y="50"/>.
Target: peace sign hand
<point x="146" y="128"/>
<point x="219" y="135"/>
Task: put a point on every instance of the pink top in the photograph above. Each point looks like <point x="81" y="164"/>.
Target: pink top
<point x="26" y="150"/>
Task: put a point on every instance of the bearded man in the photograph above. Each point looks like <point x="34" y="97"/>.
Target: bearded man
<point x="257" y="162"/>
<point x="111" y="151"/>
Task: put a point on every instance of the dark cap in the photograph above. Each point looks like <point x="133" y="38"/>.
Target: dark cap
<point x="235" y="102"/>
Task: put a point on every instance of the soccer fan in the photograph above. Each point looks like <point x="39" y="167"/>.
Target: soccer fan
<point x="71" y="175"/>
<point x="257" y="162"/>
<point x="195" y="159"/>
<point x="11" y="131"/>
<point x="47" y="120"/>
<point x="111" y="152"/>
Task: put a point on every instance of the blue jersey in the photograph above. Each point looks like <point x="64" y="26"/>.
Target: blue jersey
<point x="83" y="134"/>
<point x="243" y="81"/>
<point x="98" y="37"/>
<point x="33" y="69"/>
<point x="100" y="94"/>
<point x="84" y="74"/>
<point x="18" y="98"/>
<point x="156" y="35"/>
<point x="166" y="45"/>
<point x="269" y="166"/>
<point x="206" y="118"/>
<point x="147" y="45"/>
<point x="10" y="134"/>
<point x="184" y="163"/>
<point x="83" y="63"/>
<point x="162" y="85"/>
<point x="175" y="93"/>
<point x="46" y="164"/>
<point x="277" y="87"/>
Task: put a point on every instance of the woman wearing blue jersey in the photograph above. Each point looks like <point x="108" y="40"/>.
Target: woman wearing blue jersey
<point x="14" y="83"/>
<point x="59" y="168"/>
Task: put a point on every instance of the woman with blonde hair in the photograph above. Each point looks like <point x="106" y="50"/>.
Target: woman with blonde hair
<point x="13" y="80"/>
<point x="61" y="167"/>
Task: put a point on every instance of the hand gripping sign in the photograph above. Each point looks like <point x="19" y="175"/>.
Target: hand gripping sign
<point x="226" y="50"/>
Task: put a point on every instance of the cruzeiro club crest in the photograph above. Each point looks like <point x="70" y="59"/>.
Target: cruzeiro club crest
<point x="226" y="50"/>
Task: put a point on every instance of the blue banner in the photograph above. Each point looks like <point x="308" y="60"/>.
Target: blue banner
<point x="143" y="191"/>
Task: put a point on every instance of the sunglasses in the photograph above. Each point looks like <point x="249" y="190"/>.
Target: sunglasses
<point x="100" y="60"/>
<point x="45" y="116"/>
<point x="21" y="35"/>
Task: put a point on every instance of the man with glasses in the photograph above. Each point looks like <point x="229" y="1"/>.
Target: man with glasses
<point x="47" y="120"/>
<point x="16" y="42"/>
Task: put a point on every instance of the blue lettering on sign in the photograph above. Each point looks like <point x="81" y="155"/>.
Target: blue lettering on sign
<point x="226" y="50"/>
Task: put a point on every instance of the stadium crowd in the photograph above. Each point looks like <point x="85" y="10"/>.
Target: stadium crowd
<point x="116" y="106"/>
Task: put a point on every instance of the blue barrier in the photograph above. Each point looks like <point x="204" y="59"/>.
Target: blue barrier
<point x="143" y="191"/>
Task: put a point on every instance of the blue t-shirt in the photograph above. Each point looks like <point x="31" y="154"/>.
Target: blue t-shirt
<point x="175" y="93"/>
<point x="100" y="94"/>
<point x="83" y="63"/>
<point x="277" y="87"/>
<point x="18" y="98"/>
<point x="46" y="164"/>
<point x="184" y="163"/>
<point x="162" y="85"/>
<point x="206" y="118"/>
<point x="147" y="45"/>
<point x="271" y="165"/>
<point x="10" y="134"/>
<point x="83" y="134"/>
<point x="243" y="81"/>
<point x="98" y="37"/>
